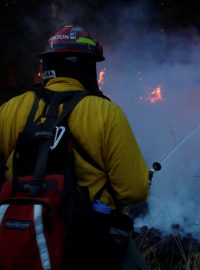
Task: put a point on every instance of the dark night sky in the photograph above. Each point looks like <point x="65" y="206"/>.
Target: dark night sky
<point x="26" y="26"/>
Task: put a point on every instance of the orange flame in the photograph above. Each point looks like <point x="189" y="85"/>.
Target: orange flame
<point x="37" y="77"/>
<point x="155" y="95"/>
<point x="101" y="77"/>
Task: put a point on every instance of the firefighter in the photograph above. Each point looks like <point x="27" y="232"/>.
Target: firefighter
<point x="101" y="128"/>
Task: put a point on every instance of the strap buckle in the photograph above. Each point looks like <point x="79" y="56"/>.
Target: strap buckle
<point x="35" y="188"/>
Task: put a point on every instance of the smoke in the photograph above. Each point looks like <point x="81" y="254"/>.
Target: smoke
<point x="167" y="131"/>
<point x="140" y="55"/>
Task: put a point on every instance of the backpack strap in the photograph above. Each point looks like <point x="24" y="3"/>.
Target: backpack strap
<point x="29" y="122"/>
<point x="47" y="134"/>
<point x="28" y="127"/>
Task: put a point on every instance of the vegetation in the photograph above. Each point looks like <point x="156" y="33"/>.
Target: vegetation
<point x="171" y="252"/>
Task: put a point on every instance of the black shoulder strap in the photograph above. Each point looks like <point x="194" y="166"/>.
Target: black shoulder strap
<point x="47" y="134"/>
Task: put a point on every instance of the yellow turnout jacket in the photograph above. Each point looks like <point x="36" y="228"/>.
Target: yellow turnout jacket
<point x="101" y="128"/>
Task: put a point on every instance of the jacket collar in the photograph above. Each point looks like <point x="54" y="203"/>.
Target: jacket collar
<point x="64" y="84"/>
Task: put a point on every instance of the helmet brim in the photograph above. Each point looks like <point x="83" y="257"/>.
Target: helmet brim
<point x="96" y="58"/>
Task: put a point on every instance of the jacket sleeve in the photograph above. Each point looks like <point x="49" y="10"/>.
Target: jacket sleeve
<point x="13" y="115"/>
<point x="126" y="167"/>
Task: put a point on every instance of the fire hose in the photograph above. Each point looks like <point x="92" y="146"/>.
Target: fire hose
<point x="157" y="166"/>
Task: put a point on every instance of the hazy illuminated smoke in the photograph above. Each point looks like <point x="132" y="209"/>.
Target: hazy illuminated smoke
<point x="154" y="77"/>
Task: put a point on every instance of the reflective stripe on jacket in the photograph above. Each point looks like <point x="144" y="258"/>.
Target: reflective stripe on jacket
<point x="102" y="129"/>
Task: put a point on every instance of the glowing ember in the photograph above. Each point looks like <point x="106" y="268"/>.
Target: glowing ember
<point x="37" y="78"/>
<point x="101" y="77"/>
<point x="155" y="95"/>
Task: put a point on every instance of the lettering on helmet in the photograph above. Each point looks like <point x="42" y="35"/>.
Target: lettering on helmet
<point x="59" y="37"/>
<point x="49" y="74"/>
